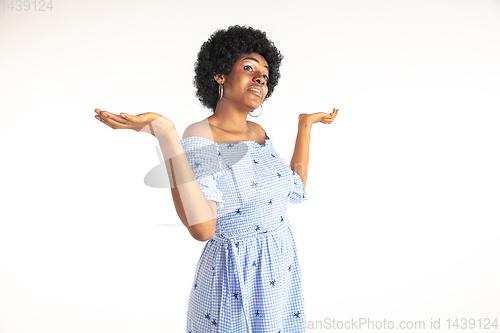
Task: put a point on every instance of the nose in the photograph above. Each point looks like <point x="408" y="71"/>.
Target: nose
<point x="259" y="78"/>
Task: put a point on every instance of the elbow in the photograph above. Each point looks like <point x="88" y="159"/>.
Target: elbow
<point x="203" y="231"/>
<point x="203" y="238"/>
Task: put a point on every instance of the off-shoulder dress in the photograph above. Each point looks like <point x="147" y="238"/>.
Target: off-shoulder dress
<point x="248" y="277"/>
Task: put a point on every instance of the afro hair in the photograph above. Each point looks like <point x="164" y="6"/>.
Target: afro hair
<point x="218" y="54"/>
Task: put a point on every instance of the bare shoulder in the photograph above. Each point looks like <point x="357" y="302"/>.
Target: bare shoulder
<point x="200" y="129"/>
<point x="257" y="129"/>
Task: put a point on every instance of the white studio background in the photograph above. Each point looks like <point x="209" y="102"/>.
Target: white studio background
<point x="402" y="221"/>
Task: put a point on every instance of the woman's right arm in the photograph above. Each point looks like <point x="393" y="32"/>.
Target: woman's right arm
<point x="198" y="214"/>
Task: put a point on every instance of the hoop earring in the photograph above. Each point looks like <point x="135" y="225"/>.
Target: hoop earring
<point x="221" y="90"/>
<point x="262" y="109"/>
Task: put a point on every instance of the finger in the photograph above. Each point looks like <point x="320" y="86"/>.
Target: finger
<point x="102" y="120"/>
<point x="100" y="112"/>
<point x="130" y="118"/>
<point x="112" y="123"/>
<point x="114" y="117"/>
<point x="126" y="116"/>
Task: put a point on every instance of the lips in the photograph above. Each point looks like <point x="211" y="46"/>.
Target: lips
<point x="256" y="89"/>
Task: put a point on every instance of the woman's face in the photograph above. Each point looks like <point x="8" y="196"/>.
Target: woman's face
<point x="246" y="84"/>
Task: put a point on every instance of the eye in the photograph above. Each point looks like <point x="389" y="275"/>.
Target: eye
<point x="250" y="69"/>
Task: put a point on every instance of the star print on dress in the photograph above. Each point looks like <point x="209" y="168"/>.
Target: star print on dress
<point x="237" y="244"/>
<point x="195" y="285"/>
<point x="241" y="288"/>
<point x="296" y="314"/>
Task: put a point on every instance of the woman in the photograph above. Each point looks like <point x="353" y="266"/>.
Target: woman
<point x="248" y="277"/>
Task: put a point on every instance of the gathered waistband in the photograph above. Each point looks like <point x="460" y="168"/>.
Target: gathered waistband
<point x="278" y="231"/>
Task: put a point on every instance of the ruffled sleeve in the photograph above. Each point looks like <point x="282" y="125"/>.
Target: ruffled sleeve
<point x="203" y="156"/>
<point x="298" y="193"/>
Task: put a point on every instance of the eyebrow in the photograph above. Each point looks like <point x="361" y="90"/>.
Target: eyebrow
<point x="250" y="58"/>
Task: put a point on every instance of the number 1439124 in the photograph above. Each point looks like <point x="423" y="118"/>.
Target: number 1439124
<point x="26" y="5"/>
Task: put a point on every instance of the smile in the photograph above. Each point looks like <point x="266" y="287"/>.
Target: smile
<point x="256" y="90"/>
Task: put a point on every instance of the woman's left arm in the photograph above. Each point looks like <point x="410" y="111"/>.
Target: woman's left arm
<point x="300" y="158"/>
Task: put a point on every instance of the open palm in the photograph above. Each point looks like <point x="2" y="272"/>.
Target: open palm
<point x="319" y="117"/>
<point x="144" y="122"/>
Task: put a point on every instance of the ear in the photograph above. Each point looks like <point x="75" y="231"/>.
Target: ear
<point x="219" y="78"/>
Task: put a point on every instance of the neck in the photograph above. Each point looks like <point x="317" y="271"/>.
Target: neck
<point x="230" y="118"/>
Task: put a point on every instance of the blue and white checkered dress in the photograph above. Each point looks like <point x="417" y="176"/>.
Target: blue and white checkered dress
<point x="248" y="277"/>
